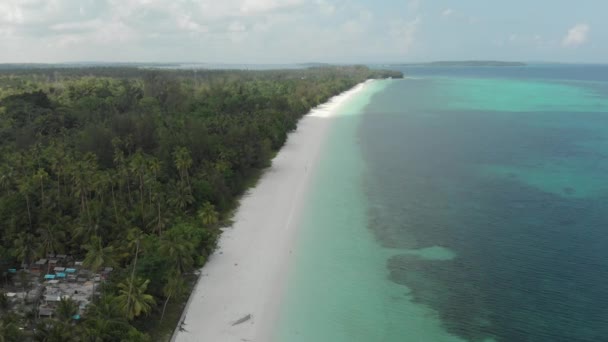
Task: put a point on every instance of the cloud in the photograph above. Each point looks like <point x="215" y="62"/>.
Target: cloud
<point x="325" y="7"/>
<point x="576" y="36"/>
<point x="404" y="34"/>
<point x="230" y="31"/>
<point x="413" y="6"/>
<point x="262" y="6"/>
<point x="447" y="12"/>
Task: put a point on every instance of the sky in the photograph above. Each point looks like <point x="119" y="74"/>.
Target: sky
<point x="297" y="31"/>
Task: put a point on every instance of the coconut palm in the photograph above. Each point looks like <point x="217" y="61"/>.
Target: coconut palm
<point x="174" y="288"/>
<point x="132" y="298"/>
<point x="23" y="248"/>
<point x="134" y="236"/>
<point x="183" y="162"/>
<point x="97" y="255"/>
<point x="49" y="239"/>
<point x="208" y="215"/>
<point x="9" y="329"/>
<point x="66" y="309"/>
<point x="104" y="321"/>
<point x="50" y="330"/>
<point x="178" y="249"/>
<point x="41" y="176"/>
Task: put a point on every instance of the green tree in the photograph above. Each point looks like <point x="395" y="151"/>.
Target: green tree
<point x="9" y="329"/>
<point x="208" y="215"/>
<point x="135" y="237"/>
<point x="41" y="176"/>
<point x="174" y="288"/>
<point x="183" y="163"/>
<point x="132" y="298"/>
<point x="23" y="248"/>
<point x="97" y="255"/>
<point x="66" y="309"/>
<point x="49" y="239"/>
<point x="104" y="321"/>
<point x="177" y="248"/>
<point x="49" y="330"/>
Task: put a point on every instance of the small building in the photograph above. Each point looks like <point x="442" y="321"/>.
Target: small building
<point x="39" y="265"/>
<point x="45" y="311"/>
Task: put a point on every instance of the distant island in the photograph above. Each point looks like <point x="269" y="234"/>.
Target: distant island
<point x="465" y="64"/>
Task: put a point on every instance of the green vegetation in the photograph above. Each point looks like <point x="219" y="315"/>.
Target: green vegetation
<point x="136" y="169"/>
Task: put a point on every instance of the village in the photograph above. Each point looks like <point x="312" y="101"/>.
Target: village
<point x="36" y="292"/>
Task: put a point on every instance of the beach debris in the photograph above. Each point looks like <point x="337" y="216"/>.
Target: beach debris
<point x="242" y="320"/>
<point x="182" y="327"/>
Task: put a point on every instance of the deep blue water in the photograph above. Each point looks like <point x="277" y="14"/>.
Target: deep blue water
<point x="508" y="169"/>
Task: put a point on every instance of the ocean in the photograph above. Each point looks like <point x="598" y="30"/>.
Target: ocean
<point x="459" y="204"/>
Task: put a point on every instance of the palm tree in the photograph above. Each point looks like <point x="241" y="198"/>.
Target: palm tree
<point x="175" y="287"/>
<point x="97" y="255"/>
<point x="81" y="178"/>
<point x="121" y="168"/>
<point x="208" y="215"/>
<point x="40" y="176"/>
<point x="49" y="238"/>
<point x="66" y="309"/>
<point x="50" y="330"/>
<point x="183" y="162"/>
<point x="6" y="179"/>
<point x="181" y="197"/>
<point x="25" y="189"/>
<point x="104" y="321"/>
<point x="138" y="167"/>
<point x="132" y="298"/>
<point x="23" y="248"/>
<point x="178" y="249"/>
<point x="9" y="329"/>
<point x="134" y="236"/>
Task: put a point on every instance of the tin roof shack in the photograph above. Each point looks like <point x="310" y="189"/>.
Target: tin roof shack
<point x="39" y="266"/>
<point x="46" y="311"/>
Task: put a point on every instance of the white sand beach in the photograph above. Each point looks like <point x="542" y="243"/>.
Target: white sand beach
<point x="244" y="279"/>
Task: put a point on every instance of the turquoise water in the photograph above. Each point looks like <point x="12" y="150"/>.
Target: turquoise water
<point x="459" y="206"/>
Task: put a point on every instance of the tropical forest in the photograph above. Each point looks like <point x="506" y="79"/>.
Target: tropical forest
<point x="115" y="183"/>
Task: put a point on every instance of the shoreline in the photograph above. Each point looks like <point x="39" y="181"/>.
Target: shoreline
<point x="239" y="290"/>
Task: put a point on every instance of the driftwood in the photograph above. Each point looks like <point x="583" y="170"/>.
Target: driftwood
<point x="242" y="320"/>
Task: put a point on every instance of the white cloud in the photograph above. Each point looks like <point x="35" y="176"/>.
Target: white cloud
<point x="404" y="34"/>
<point x="186" y="23"/>
<point x="325" y="7"/>
<point x="577" y="35"/>
<point x="413" y="6"/>
<point x="447" y="12"/>
<point x="262" y="6"/>
<point x="257" y="31"/>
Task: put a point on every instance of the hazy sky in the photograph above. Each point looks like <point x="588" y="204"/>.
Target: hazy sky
<point x="284" y="31"/>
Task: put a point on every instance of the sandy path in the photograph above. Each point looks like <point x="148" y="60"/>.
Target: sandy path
<point x="246" y="275"/>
